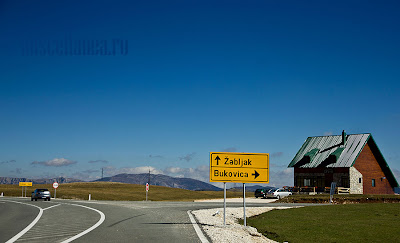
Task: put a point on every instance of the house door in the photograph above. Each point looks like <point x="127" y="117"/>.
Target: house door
<point x="328" y="179"/>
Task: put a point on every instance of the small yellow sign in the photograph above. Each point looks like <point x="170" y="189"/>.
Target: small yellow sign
<point x="239" y="167"/>
<point x="25" y="184"/>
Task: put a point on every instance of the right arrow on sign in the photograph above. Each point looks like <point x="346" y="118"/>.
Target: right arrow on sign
<point x="255" y="174"/>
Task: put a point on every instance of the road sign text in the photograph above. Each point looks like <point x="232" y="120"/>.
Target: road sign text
<point x="239" y="167"/>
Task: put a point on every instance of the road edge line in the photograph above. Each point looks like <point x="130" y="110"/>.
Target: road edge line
<point x="27" y="228"/>
<point x="196" y="227"/>
<point x="101" y="220"/>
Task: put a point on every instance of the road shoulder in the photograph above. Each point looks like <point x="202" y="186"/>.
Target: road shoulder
<point x="211" y="220"/>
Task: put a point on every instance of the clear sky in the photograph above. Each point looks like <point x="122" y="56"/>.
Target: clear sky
<point x="132" y="85"/>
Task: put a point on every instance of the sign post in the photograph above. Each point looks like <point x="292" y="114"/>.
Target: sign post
<point x="239" y="167"/>
<point x="24" y="185"/>
<point x="224" y="203"/>
<point x="55" y="185"/>
<point x="244" y="204"/>
<point x="147" y="189"/>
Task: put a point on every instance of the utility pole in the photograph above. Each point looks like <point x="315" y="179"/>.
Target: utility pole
<point x="149" y="176"/>
<point x="102" y="173"/>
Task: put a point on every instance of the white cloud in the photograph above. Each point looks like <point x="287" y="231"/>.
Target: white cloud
<point x="98" y="161"/>
<point x="279" y="178"/>
<point x="188" y="157"/>
<point x="8" y="161"/>
<point x="57" y="162"/>
<point x="201" y="173"/>
<point x="276" y="154"/>
<point x="230" y="149"/>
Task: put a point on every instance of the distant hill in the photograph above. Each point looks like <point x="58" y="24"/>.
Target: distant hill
<point x="162" y="180"/>
<point x="15" y="181"/>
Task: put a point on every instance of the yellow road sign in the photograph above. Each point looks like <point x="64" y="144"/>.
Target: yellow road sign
<point x="25" y="184"/>
<point x="239" y="167"/>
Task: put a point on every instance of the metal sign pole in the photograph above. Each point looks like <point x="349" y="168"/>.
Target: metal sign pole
<point x="224" y="203"/>
<point x="244" y="204"/>
<point x="22" y="191"/>
<point x="55" y="193"/>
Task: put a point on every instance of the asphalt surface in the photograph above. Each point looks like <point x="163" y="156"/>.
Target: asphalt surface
<point x="14" y="218"/>
<point x="61" y="220"/>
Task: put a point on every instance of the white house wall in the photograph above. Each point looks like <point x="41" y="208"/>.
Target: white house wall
<point x="355" y="186"/>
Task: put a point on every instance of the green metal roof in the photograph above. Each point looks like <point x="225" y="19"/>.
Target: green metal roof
<point x="331" y="145"/>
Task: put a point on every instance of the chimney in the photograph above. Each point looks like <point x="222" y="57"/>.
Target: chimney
<point x="343" y="137"/>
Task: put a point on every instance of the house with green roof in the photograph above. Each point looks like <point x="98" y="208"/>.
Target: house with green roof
<point x="353" y="161"/>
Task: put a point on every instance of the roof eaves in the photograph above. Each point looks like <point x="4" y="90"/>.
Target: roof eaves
<point x="293" y="162"/>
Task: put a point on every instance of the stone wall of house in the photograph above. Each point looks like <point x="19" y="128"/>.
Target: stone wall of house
<point x="356" y="181"/>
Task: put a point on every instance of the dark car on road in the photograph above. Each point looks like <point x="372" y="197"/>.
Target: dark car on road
<point x="260" y="193"/>
<point x="41" y="194"/>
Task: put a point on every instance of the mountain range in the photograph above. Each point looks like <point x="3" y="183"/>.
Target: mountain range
<point x="141" y="179"/>
<point x="16" y="181"/>
<point x="162" y="180"/>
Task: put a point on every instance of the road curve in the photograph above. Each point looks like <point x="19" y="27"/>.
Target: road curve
<point x="14" y="218"/>
<point x="65" y="220"/>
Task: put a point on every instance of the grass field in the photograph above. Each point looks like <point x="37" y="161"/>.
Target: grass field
<point x="118" y="191"/>
<point x="374" y="222"/>
<point x="341" y="198"/>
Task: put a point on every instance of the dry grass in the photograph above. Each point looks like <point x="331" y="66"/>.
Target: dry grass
<point x="118" y="191"/>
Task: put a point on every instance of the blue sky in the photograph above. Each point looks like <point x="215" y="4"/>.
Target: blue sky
<point x="188" y="78"/>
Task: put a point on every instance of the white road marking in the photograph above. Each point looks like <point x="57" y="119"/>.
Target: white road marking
<point x="196" y="227"/>
<point x="17" y="236"/>
<point x="51" y="206"/>
<point x="101" y="220"/>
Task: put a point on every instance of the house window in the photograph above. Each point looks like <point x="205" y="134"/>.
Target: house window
<point x="359" y="180"/>
<point x="345" y="182"/>
<point x="307" y="182"/>
<point x="373" y="182"/>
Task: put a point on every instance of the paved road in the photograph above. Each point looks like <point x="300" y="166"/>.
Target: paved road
<point x="61" y="220"/>
<point x="14" y="217"/>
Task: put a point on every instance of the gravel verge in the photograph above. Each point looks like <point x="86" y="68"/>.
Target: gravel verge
<point x="212" y="222"/>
